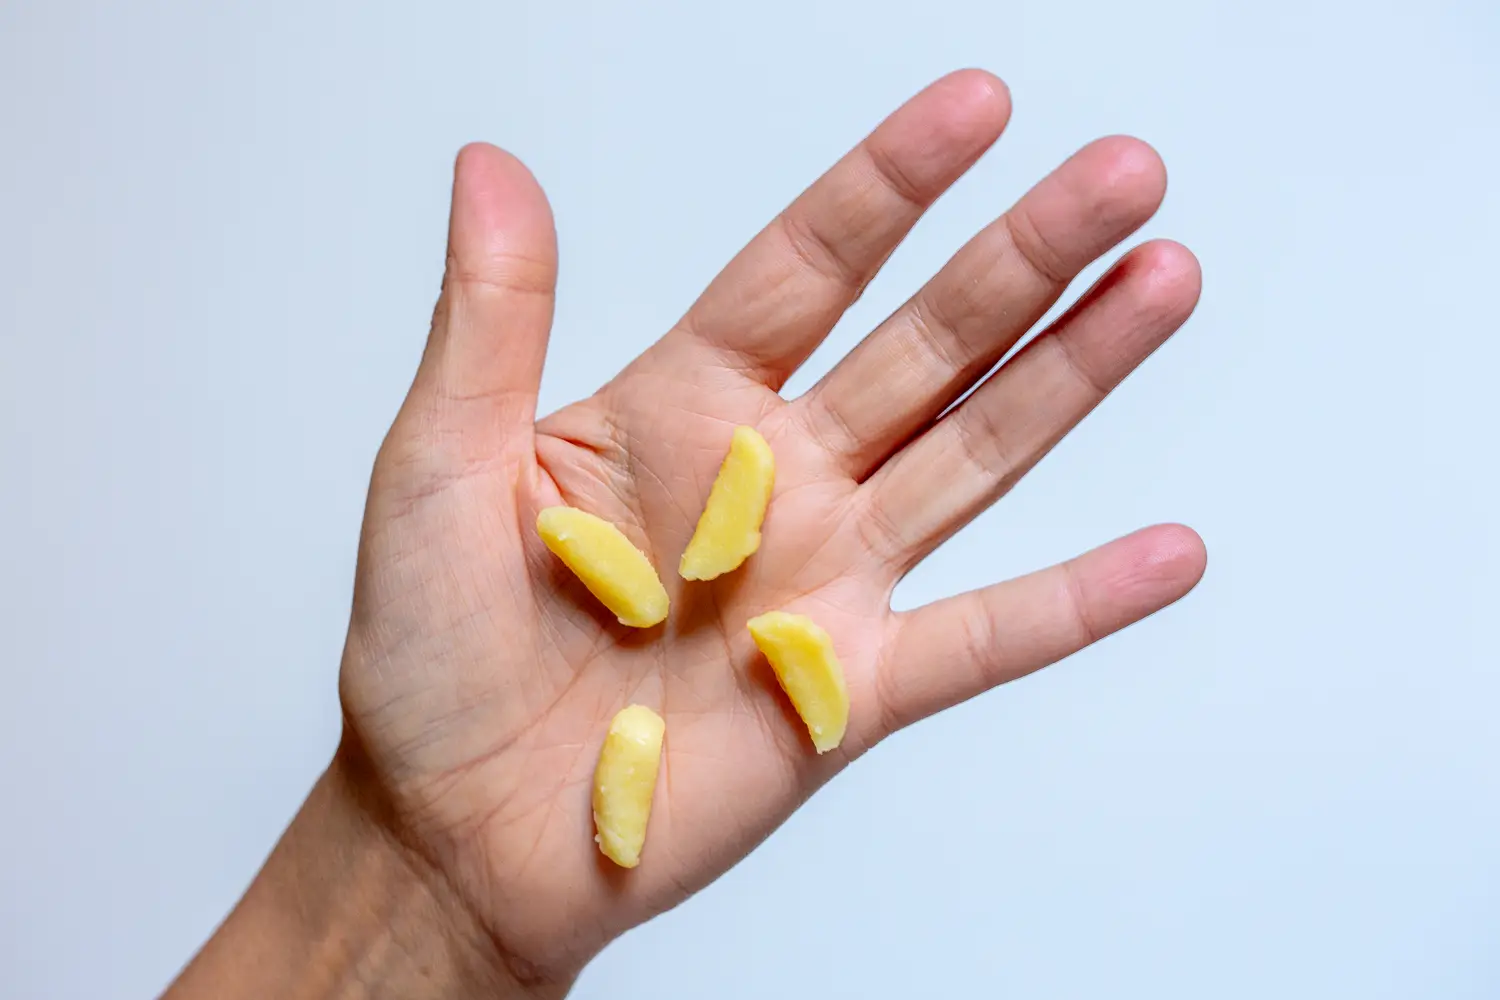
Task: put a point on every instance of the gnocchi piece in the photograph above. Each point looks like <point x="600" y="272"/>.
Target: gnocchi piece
<point x="728" y="531"/>
<point x="802" y="656"/>
<point x="613" y="570"/>
<point x="624" y="782"/>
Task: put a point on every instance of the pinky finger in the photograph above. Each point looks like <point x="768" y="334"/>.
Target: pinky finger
<point x="951" y="650"/>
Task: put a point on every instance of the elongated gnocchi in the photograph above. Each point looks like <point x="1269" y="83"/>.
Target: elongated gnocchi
<point x="728" y="531"/>
<point x="809" y="672"/>
<point x="614" y="571"/>
<point x="625" y="781"/>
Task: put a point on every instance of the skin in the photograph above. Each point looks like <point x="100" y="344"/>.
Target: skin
<point x="448" y="850"/>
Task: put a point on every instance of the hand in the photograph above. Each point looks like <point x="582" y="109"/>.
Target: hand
<point x="479" y="677"/>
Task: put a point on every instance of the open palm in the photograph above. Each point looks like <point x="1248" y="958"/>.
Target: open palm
<point x="479" y="676"/>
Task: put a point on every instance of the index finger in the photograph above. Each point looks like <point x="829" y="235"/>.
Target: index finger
<point x="780" y="296"/>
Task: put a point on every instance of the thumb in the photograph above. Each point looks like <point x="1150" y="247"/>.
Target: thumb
<point x="489" y="331"/>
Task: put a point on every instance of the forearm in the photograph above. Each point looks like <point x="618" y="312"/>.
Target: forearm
<point x="341" y="910"/>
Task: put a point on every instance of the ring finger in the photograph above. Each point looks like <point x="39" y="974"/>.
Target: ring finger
<point x="979" y="450"/>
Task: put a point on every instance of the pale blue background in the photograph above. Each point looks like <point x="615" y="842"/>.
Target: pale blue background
<point x="220" y="237"/>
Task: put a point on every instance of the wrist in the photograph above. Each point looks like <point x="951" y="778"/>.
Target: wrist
<point x="343" y="908"/>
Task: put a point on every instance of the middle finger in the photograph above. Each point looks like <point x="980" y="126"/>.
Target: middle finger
<point x="948" y="335"/>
